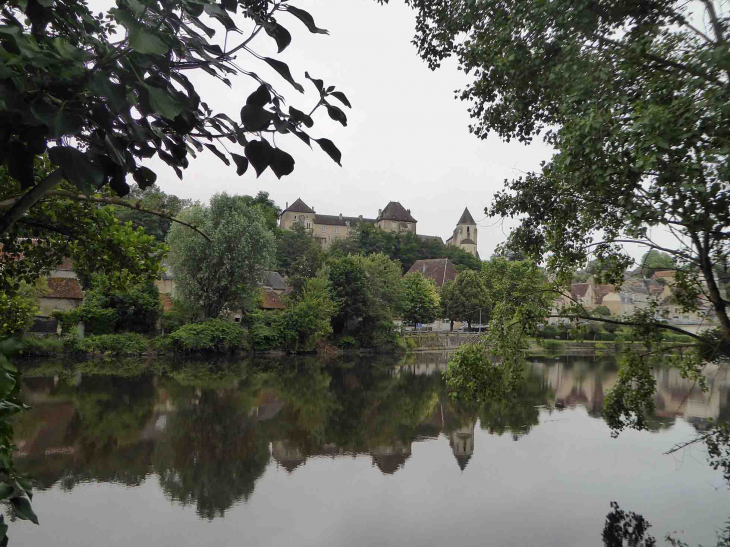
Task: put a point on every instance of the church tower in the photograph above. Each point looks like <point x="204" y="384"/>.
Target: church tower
<point x="465" y="234"/>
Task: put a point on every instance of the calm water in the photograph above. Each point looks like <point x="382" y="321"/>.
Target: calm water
<point x="357" y="453"/>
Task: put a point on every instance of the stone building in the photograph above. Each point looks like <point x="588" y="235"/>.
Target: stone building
<point x="465" y="234"/>
<point x="393" y="218"/>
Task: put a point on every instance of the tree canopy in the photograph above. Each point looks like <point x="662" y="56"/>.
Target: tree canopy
<point x="222" y="272"/>
<point x="420" y="299"/>
<point x="466" y="298"/>
<point x="156" y="199"/>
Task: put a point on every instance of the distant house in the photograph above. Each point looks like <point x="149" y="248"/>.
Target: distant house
<point x="64" y="294"/>
<point x="274" y="281"/>
<point x="439" y="270"/>
<point x="166" y="283"/>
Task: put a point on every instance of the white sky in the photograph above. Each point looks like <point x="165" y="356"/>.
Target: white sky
<point x="407" y="137"/>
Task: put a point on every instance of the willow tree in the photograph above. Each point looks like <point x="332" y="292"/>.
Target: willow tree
<point x="635" y="99"/>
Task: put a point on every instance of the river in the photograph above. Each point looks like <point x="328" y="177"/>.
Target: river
<point x="357" y="452"/>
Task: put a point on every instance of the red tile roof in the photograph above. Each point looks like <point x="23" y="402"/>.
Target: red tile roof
<point x="64" y="287"/>
<point x="271" y="301"/>
<point x="166" y="302"/>
<point x="440" y="270"/>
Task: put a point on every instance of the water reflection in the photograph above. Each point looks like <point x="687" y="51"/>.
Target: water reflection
<point x="208" y="433"/>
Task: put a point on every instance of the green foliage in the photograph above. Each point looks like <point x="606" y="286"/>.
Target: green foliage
<point x="14" y="487"/>
<point x="65" y="227"/>
<point x="553" y="346"/>
<point x="214" y="335"/>
<point x="348" y="280"/>
<point x="128" y="343"/>
<point x="420" y="299"/>
<point x="298" y="255"/>
<point x="466" y="298"/>
<point x="268" y="208"/>
<point x="33" y="346"/>
<point x="263" y="330"/>
<point x="406" y="248"/>
<point x="155" y="199"/>
<point x="307" y="318"/>
<point x="96" y="320"/>
<point x="180" y="314"/>
<point x="654" y="261"/>
<point x="18" y="308"/>
<point x="602" y="310"/>
<point x="220" y="273"/>
<point x="347" y="342"/>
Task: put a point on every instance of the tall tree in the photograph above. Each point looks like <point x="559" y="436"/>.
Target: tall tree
<point x="349" y="288"/>
<point x="466" y="298"/>
<point x="420" y="303"/>
<point x="222" y="272"/>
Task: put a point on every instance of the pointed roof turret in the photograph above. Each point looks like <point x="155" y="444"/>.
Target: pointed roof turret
<point x="299" y="207"/>
<point x="462" y="461"/>
<point x="466" y="218"/>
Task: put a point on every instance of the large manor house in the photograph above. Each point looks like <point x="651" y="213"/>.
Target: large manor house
<point x="393" y="218"/>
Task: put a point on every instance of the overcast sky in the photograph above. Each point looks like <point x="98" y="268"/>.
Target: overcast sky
<point x="407" y="137"/>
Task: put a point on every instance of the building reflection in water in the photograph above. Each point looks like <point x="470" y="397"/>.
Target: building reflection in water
<point x="208" y="437"/>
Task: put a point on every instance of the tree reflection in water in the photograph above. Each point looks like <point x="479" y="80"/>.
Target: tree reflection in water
<point x="207" y="431"/>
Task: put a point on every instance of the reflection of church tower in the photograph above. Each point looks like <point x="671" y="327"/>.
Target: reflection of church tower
<point x="465" y="234"/>
<point x="390" y="459"/>
<point x="289" y="457"/>
<point x="462" y="444"/>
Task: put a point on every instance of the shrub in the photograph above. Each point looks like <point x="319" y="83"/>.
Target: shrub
<point x="41" y="345"/>
<point x="162" y="344"/>
<point x="128" y="343"/>
<point x="96" y="320"/>
<point x="410" y="343"/>
<point x="606" y="336"/>
<point x="180" y="314"/>
<point x="602" y="310"/>
<point x="553" y="346"/>
<point x="211" y="335"/>
<point x="347" y="341"/>
<point x="548" y="331"/>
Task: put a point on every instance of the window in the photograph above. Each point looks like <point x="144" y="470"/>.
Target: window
<point x="309" y="225"/>
<point x="329" y="238"/>
<point x="337" y="229"/>
<point x="324" y="229"/>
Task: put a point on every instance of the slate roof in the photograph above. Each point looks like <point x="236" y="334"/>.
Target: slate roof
<point x="466" y="218"/>
<point x="271" y="301"/>
<point x="395" y="211"/>
<point x="299" y="207"/>
<point x="337" y="220"/>
<point x="440" y="270"/>
<point x="425" y="237"/>
<point x="274" y="280"/>
<point x="579" y="289"/>
<point x="64" y="287"/>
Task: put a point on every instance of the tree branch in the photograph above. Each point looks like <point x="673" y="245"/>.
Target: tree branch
<point x="106" y="201"/>
<point x="21" y="205"/>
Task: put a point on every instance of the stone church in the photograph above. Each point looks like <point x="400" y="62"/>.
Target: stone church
<point x="393" y="218"/>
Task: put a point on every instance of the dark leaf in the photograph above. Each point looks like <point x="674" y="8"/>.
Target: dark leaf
<point x="6" y="490"/>
<point x="305" y="18"/>
<point x="144" y="41"/>
<point x="162" y="103"/>
<point x="329" y="147"/>
<point x="241" y="163"/>
<point x="281" y="163"/>
<point x="144" y="177"/>
<point x="24" y="510"/>
<point x="230" y="5"/>
<point x="302" y="135"/>
<point x="77" y="169"/>
<point x="336" y="114"/>
<point x="299" y="116"/>
<point x="281" y="35"/>
<point x="259" y="154"/>
<point x="255" y="118"/>
<point x="283" y="70"/>
<point x="319" y="84"/>
<point x="218" y="153"/>
<point x="118" y="184"/>
<point x="341" y="96"/>
<point x="20" y="164"/>
<point x="261" y="97"/>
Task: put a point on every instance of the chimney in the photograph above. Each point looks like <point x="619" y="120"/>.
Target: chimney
<point x="408" y="211"/>
<point x="340" y="216"/>
<point x="380" y="212"/>
<point x="287" y="206"/>
<point x="360" y="217"/>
